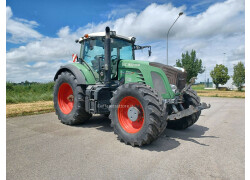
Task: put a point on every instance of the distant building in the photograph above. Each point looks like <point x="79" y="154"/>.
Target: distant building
<point x="229" y="85"/>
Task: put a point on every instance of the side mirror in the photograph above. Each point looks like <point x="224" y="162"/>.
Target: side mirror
<point x="74" y="57"/>
<point x="149" y="52"/>
<point x="137" y="47"/>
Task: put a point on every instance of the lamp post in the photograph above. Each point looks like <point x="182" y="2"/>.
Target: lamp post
<point x="224" y="58"/>
<point x="169" y="30"/>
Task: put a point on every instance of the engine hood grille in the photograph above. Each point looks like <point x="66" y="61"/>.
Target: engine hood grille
<point x="175" y="76"/>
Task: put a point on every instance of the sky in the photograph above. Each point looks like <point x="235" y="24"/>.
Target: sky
<point x="40" y="34"/>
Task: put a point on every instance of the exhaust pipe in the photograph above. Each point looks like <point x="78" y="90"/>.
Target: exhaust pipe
<point x="107" y="60"/>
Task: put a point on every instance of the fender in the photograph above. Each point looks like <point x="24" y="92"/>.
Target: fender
<point x="75" y="71"/>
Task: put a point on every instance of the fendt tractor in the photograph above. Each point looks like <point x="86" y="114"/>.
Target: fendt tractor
<point x="141" y="98"/>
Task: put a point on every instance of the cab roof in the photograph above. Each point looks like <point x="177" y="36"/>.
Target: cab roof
<point x="102" y="34"/>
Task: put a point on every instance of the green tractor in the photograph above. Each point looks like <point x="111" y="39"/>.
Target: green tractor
<point x="141" y="98"/>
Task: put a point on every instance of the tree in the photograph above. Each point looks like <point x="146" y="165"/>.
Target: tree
<point x="239" y="75"/>
<point x="191" y="64"/>
<point x="219" y="75"/>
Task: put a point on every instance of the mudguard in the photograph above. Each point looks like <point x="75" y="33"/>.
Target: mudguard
<point x="75" y="71"/>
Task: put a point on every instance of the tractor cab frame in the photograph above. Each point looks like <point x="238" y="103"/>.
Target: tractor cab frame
<point x="93" y="48"/>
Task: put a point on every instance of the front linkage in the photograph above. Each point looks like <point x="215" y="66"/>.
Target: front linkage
<point x="185" y="110"/>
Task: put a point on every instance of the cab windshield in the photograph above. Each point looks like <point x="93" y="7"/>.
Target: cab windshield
<point x="93" y="53"/>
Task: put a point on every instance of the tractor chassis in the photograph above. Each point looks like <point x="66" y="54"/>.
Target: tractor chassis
<point x="97" y="101"/>
<point x="97" y="98"/>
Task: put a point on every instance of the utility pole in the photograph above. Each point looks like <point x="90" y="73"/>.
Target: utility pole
<point x="169" y="31"/>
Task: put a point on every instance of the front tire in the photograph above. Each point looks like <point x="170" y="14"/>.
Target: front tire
<point x="191" y="98"/>
<point x="69" y="100"/>
<point x="137" y="114"/>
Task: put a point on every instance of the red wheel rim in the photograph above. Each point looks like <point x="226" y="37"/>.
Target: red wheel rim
<point x="65" y="98"/>
<point x="128" y="125"/>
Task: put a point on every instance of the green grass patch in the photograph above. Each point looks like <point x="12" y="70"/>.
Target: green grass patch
<point x="28" y="92"/>
<point x="198" y="87"/>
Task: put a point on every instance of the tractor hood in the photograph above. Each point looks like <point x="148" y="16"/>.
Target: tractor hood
<point x="157" y="75"/>
<point x="176" y="76"/>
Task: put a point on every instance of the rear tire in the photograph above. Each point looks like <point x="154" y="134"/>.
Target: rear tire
<point x="151" y="120"/>
<point x="69" y="100"/>
<point x="191" y="98"/>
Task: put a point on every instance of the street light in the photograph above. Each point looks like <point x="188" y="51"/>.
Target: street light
<point x="169" y="30"/>
<point x="224" y="58"/>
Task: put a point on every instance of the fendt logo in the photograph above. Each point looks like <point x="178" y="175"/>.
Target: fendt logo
<point x="131" y="64"/>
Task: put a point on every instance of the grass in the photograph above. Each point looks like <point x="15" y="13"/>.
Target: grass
<point x="28" y="92"/>
<point x="198" y="87"/>
<point x="201" y="91"/>
<point x="29" y="98"/>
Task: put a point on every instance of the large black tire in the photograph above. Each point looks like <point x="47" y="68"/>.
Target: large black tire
<point x="191" y="98"/>
<point x="69" y="100"/>
<point x="151" y="110"/>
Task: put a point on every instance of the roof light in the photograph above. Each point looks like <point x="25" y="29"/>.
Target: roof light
<point x="86" y="35"/>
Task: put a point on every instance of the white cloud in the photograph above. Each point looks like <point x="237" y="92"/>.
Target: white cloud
<point x="238" y="54"/>
<point x="8" y="13"/>
<point x="47" y="49"/>
<point x="217" y="30"/>
<point x="64" y="32"/>
<point x="20" y="30"/>
<point x="39" y="72"/>
<point x="153" y="22"/>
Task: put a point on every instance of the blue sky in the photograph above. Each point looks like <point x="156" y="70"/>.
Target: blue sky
<point x="40" y="34"/>
<point x="52" y="15"/>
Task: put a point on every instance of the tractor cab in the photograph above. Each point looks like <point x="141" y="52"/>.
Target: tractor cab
<point x="93" y="52"/>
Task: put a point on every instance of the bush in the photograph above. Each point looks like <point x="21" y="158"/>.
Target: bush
<point x="29" y="92"/>
<point x="239" y="75"/>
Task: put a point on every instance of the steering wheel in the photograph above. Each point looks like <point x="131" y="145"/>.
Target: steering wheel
<point x="113" y="56"/>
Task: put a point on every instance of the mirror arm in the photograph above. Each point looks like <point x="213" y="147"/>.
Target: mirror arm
<point x="137" y="47"/>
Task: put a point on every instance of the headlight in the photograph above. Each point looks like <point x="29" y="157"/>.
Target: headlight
<point x="174" y="88"/>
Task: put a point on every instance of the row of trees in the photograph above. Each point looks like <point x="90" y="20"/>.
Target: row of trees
<point x="219" y="74"/>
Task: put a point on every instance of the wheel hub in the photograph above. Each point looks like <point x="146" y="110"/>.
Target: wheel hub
<point x="133" y="113"/>
<point x="70" y="98"/>
<point x="130" y="114"/>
